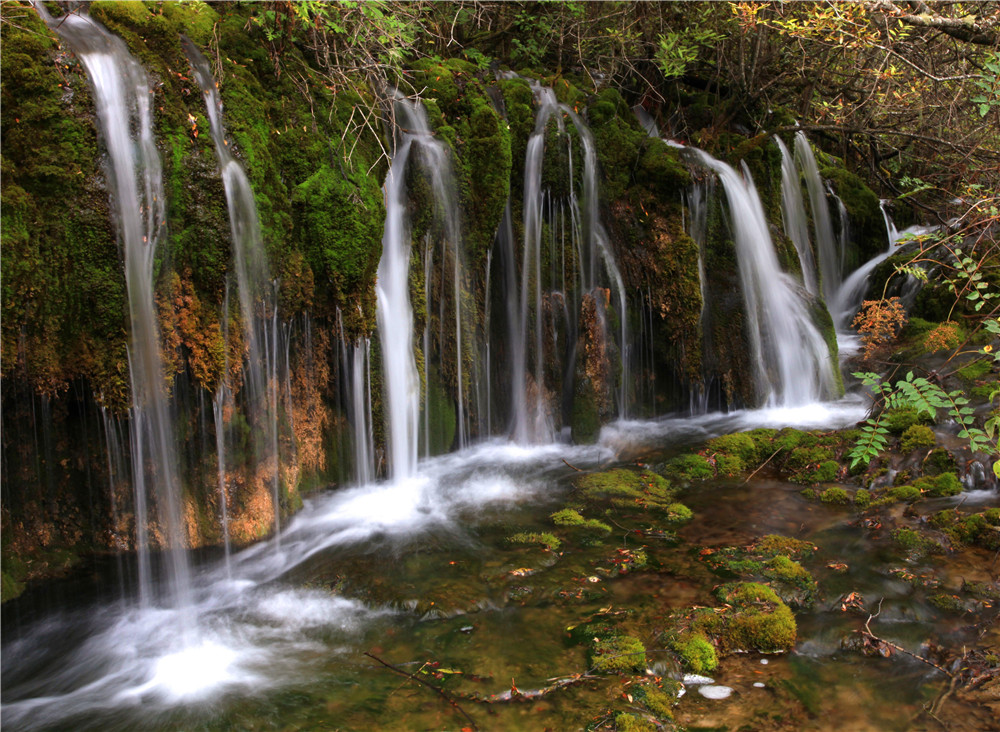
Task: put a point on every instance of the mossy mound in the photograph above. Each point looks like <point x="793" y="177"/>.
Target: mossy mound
<point x="627" y="489"/>
<point x="589" y="531"/>
<point x="756" y="619"/>
<point x="690" y="467"/>
<point x="617" y="654"/>
<point x="550" y="541"/>
<point x="696" y="652"/>
<point x="768" y="562"/>
<point x="917" y="437"/>
<point x="979" y="529"/>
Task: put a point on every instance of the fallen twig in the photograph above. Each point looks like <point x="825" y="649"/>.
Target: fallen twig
<point x="867" y="632"/>
<point x="440" y="691"/>
<point x="761" y="466"/>
<point x="572" y="466"/>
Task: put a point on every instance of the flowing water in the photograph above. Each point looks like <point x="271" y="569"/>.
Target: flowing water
<point x="258" y="302"/>
<point x="383" y="564"/>
<point x="827" y="245"/>
<point x="123" y="99"/>
<point x="793" y="361"/>
<point x="793" y="211"/>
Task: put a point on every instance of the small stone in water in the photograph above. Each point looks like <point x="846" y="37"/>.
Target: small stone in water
<point x="758" y="684"/>
<point x="715" y="692"/>
<point x="696" y="679"/>
<point x="466" y="629"/>
<point x="764" y="661"/>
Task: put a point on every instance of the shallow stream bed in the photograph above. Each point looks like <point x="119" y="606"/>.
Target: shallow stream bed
<point x="406" y="606"/>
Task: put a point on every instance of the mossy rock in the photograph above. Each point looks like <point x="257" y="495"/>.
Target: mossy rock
<point x="545" y="539"/>
<point x="775" y="545"/>
<point x="628" y="489"/>
<point x="689" y="467"/>
<point x="696" y="652"/>
<point x="589" y="531"/>
<point x="901" y="419"/>
<point x="914" y="542"/>
<point x="625" y="722"/>
<point x="618" y="654"/>
<point x="835" y="495"/>
<point x="917" y="437"/>
<point x="980" y="529"/>
<point x="943" y="485"/>
<point x="759" y="620"/>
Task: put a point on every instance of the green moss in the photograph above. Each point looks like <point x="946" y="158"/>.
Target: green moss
<point x="740" y="445"/>
<point x="619" y="654"/>
<point x="938" y="461"/>
<point x="549" y="541"/>
<point x="729" y="466"/>
<point x="916" y="437"/>
<point x="774" y="545"/>
<point x="759" y="620"/>
<point x="907" y="493"/>
<point x="975" y="370"/>
<point x="835" y="495"/>
<point x="689" y="467"/>
<point x="625" y="722"/>
<point x="947" y="603"/>
<point x="862" y="498"/>
<point x="659" y="702"/>
<point x="945" y="484"/>
<point x="340" y="218"/>
<point x="591" y="531"/>
<point x="696" y="652"/>
<point x="823" y="472"/>
<point x="629" y="489"/>
<point x="914" y="542"/>
<point x="9" y="587"/>
<point x="981" y="529"/>
<point x="901" y="419"/>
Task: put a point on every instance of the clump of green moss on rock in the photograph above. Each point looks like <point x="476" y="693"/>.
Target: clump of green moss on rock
<point x="589" y="531"/>
<point x="544" y="539"/>
<point x="617" y="654"/>
<point x="755" y="619"/>
<point x="695" y="652"/>
<point x="626" y="489"/>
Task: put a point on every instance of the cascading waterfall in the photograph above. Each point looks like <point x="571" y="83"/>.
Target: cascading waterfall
<point x="393" y="310"/>
<point x="830" y="257"/>
<point x="356" y="368"/>
<point x="258" y="301"/>
<point x="793" y="213"/>
<point x="531" y="418"/>
<point x="123" y="99"/>
<point x="791" y="357"/>
<point x="851" y="293"/>
<point x="600" y="246"/>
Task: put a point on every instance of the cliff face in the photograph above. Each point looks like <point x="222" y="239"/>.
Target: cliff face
<point x="316" y="153"/>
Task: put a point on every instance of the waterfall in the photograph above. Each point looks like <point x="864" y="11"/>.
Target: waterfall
<point x="793" y="213"/>
<point x="600" y="246"/>
<point x="791" y="358"/>
<point x="356" y="368"/>
<point x="257" y="298"/>
<point x="577" y="216"/>
<point x="830" y="258"/>
<point x="123" y="100"/>
<point x="394" y="312"/>
<point x="851" y="293"/>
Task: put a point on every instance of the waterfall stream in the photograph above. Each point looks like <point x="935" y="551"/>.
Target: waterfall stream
<point x="791" y="357"/>
<point x="124" y="101"/>
<point x="258" y="301"/>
